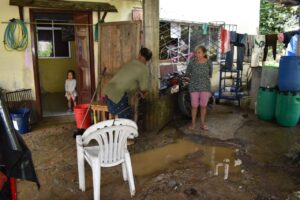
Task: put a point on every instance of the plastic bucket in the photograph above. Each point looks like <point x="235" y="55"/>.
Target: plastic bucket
<point x="266" y="103"/>
<point x="288" y="109"/>
<point x="79" y="112"/>
<point x="269" y="77"/>
<point x="289" y="73"/>
<point x="20" y="119"/>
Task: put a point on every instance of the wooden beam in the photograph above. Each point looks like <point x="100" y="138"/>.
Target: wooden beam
<point x="67" y="5"/>
<point x="103" y="17"/>
<point x="21" y="13"/>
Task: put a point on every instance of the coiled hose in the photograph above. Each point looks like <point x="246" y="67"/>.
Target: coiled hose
<point x="15" y="35"/>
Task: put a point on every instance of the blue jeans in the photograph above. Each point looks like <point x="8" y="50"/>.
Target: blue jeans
<point x="239" y="60"/>
<point x="122" y="108"/>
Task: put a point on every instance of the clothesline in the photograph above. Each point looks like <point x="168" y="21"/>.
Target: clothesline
<point x="50" y="23"/>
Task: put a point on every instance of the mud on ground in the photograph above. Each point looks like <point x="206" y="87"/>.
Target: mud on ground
<point x="176" y="164"/>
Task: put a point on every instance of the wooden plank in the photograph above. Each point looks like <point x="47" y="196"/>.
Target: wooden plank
<point x="119" y="43"/>
<point x="67" y="5"/>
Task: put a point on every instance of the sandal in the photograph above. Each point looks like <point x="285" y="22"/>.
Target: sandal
<point x="205" y="128"/>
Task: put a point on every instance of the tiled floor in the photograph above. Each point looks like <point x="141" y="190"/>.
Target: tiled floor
<point x="54" y="104"/>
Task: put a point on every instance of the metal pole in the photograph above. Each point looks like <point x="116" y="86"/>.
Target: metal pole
<point x="49" y="23"/>
<point x="189" y="51"/>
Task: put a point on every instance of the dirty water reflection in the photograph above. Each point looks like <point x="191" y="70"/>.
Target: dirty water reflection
<point x="159" y="159"/>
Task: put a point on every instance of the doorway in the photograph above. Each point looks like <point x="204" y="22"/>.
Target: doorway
<point x="62" y="41"/>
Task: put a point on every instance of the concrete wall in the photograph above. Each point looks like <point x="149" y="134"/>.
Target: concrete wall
<point x="15" y="73"/>
<point x="53" y="72"/>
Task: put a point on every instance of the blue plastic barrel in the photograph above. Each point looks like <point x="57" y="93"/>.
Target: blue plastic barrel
<point x="289" y="74"/>
<point x="20" y="119"/>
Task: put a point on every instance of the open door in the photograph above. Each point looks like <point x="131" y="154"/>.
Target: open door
<point x="84" y="58"/>
<point x="119" y="43"/>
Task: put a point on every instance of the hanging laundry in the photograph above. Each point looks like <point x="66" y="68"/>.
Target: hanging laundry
<point x="259" y="41"/>
<point x="259" y="44"/>
<point x="249" y="47"/>
<point x="204" y="28"/>
<point x="292" y="46"/>
<point x="271" y="40"/>
<point x="225" y="41"/>
<point x="238" y="40"/>
<point x="239" y="58"/>
<point x="175" y="30"/>
<point x="233" y="36"/>
<point x="242" y="39"/>
<point x="287" y="36"/>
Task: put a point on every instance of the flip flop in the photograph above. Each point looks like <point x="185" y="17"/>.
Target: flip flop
<point x="205" y="128"/>
<point x="191" y="129"/>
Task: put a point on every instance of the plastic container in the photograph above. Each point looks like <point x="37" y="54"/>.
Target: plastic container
<point x="79" y="112"/>
<point x="269" y="77"/>
<point x="266" y="103"/>
<point x="289" y="73"/>
<point x="20" y="119"/>
<point x="288" y="109"/>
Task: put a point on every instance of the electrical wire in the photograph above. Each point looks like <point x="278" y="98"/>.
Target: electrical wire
<point x="15" y="35"/>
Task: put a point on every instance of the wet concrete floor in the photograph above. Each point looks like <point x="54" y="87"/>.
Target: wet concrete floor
<point x="176" y="164"/>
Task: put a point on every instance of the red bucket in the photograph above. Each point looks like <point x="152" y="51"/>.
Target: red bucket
<point x="79" y="112"/>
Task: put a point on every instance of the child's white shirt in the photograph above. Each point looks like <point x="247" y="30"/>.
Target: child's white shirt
<point x="70" y="86"/>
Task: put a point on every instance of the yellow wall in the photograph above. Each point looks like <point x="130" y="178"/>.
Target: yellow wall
<point x="53" y="72"/>
<point x="14" y="73"/>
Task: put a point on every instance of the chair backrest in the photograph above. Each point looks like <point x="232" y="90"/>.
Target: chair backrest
<point x="109" y="123"/>
<point x="112" y="143"/>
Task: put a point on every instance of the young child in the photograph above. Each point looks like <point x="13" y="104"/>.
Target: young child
<point x="70" y="87"/>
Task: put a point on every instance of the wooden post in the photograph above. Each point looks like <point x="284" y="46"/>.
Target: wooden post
<point x="151" y="41"/>
<point x="159" y="110"/>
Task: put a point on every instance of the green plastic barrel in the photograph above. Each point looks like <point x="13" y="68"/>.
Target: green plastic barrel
<point x="288" y="109"/>
<point x="266" y="103"/>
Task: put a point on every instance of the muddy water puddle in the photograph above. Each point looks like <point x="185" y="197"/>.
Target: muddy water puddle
<point x="159" y="159"/>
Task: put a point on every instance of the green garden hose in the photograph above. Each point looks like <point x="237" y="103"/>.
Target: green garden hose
<point x="15" y="35"/>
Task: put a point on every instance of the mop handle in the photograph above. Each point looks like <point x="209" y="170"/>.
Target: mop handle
<point x="98" y="85"/>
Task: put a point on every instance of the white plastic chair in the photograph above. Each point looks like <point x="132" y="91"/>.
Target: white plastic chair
<point x="111" y="136"/>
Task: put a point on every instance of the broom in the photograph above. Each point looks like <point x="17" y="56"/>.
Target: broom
<point x="79" y="131"/>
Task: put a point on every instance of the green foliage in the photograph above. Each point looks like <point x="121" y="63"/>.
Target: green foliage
<point x="273" y="17"/>
<point x="45" y="49"/>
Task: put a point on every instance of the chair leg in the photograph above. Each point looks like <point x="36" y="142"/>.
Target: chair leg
<point x="124" y="171"/>
<point x="129" y="174"/>
<point x="96" y="169"/>
<point x="81" y="170"/>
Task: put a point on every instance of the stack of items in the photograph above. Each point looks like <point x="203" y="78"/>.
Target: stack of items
<point x="288" y="97"/>
<point x="267" y="92"/>
<point x="284" y="104"/>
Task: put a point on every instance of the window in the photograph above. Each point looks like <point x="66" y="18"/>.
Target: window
<point x="51" y="43"/>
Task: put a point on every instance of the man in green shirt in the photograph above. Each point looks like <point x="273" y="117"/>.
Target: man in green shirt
<point x="132" y="76"/>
